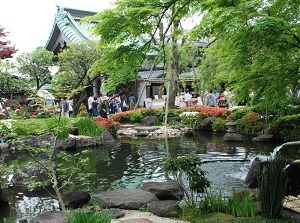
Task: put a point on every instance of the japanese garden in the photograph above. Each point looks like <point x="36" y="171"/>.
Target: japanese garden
<point x="62" y="160"/>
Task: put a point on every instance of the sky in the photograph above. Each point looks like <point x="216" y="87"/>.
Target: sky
<point x="29" y="22"/>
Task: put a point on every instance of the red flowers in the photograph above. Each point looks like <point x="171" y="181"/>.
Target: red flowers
<point x="106" y="123"/>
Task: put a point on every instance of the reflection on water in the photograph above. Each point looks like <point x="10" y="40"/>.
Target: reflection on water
<point x="131" y="162"/>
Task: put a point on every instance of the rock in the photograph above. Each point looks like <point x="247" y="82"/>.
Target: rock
<point x="169" y="190"/>
<point x="107" y="137"/>
<point x="76" y="199"/>
<point x="206" y="123"/>
<point x="28" y="171"/>
<point x="263" y="138"/>
<point x="131" y="199"/>
<point x="166" y="208"/>
<point x="115" y="212"/>
<point x="149" y="120"/>
<point x="50" y="217"/>
<point x="293" y="174"/>
<point x="4" y="194"/>
<point x="4" y="147"/>
<point x="253" y="173"/>
<point x="233" y="137"/>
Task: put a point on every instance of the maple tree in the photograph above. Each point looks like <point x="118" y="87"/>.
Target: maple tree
<point x="6" y="50"/>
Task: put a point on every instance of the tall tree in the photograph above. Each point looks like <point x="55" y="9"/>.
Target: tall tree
<point x="256" y="48"/>
<point x="9" y="82"/>
<point x="36" y="66"/>
<point x="74" y="76"/>
<point x="134" y="29"/>
<point x="6" y="51"/>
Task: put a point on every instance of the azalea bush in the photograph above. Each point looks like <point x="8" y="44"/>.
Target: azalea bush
<point x="106" y="123"/>
<point x="251" y="121"/>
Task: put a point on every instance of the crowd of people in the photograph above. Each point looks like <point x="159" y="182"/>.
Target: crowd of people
<point x="102" y="106"/>
<point x="211" y="99"/>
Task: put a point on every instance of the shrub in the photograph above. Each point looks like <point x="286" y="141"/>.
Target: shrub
<point x="272" y="188"/>
<point x="88" y="126"/>
<point x="90" y="217"/>
<point x="136" y="117"/>
<point x="251" y="121"/>
<point x="219" y="124"/>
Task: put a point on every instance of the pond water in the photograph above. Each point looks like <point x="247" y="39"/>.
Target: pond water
<point x="130" y="162"/>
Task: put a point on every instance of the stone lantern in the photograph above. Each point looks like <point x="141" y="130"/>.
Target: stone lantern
<point x="231" y="127"/>
<point x="231" y="134"/>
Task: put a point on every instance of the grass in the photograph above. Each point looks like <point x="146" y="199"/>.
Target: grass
<point x="90" y="217"/>
<point x="88" y="126"/>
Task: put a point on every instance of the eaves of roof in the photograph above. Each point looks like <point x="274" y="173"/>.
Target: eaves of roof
<point x="68" y="28"/>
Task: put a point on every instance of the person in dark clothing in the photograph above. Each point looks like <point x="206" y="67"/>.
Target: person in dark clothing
<point x="103" y="107"/>
<point x="95" y="106"/>
<point x="131" y="102"/>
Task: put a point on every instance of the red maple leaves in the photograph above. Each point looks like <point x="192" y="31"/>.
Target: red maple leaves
<point x="6" y="50"/>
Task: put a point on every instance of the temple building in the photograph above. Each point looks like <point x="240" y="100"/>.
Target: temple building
<point x="68" y="28"/>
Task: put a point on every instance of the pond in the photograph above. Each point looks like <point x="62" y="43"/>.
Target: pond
<point x="130" y="162"/>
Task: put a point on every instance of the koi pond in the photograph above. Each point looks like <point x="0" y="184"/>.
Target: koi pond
<point x="130" y="162"/>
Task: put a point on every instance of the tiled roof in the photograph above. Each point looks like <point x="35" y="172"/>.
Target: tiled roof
<point x="68" y="28"/>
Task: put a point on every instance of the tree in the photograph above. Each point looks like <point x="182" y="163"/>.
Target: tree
<point x="6" y="51"/>
<point x="134" y="29"/>
<point x="9" y="82"/>
<point x="35" y="66"/>
<point x="256" y="49"/>
<point x="74" y="76"/>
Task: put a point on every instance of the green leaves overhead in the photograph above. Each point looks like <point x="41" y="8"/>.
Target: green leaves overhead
<point x="255" y="51"/>
<point x="36" y="66"/>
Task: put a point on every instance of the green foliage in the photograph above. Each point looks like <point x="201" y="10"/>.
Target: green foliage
<point x="251" y="122"/>
<point x="272" y="188"/>
<point x="190" y="118"/>
<point x="89" y="217"/>
<point x="88" y="126"/>
<point x="287" y="125"/>
<point x="36" y="66"/>
<point x="144" y="208"/>
<point x="190" y="212"/>
<point x="60" y="126"/>
<point x="190" y="167"/>
<point x="136" y="117"/>
<point x="218" y="124"/>
<point x="213" y="203"/>
<point x="244" y="33"/>
<point x="241" y="207"/>
<point x="30" y="127"/>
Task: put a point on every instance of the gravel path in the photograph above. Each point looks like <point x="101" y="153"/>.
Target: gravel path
<point x="133" y="216"/>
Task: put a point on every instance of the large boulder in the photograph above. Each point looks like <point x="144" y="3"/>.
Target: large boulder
<point x="206" y="124"/>
<point x="130" y="199"/>
<point x="233" y="137"/>
<point x="30" y="170"/>
<point x="254" y="172"/>
<point x="293" y="174"/>
<point x="149" y="120"/>
<point x="76" y="199"/>
<point x="169" y="190"/>
<point x="166" y="208"/>
<point x="50" y="217"/>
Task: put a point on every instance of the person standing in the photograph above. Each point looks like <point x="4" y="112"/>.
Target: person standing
<point x="90" y="100"/>
<point x="178" y="100"/>
<point x="64" y="107"/>
<point x="210" y="99"/>
<point x="131" y="102"/>
<point x="113" y="106"/>
<point x="124" y="105"/>
<point x="103" y="107"/>
<point x="187" y="97"/>
<point x="95" y="106"/>
<point x="70" y="101"/>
